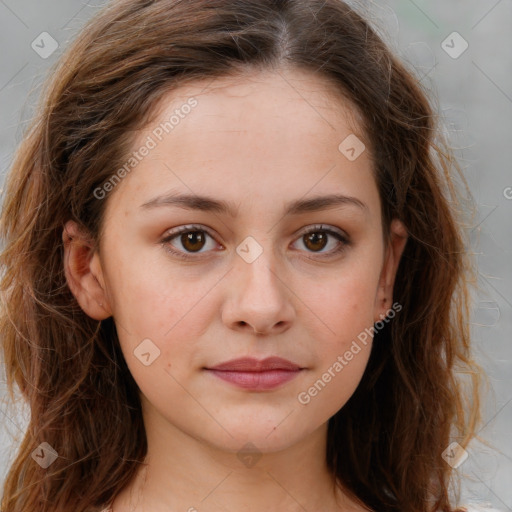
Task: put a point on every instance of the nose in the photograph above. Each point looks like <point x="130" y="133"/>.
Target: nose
<point x="258" y="299"/>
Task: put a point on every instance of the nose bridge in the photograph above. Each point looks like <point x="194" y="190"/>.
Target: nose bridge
<point x="259" y="295"/>
<point x="257" y="266"/>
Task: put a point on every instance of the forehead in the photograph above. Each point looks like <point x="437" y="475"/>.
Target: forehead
<point x="261" y="135"/>
<point x="280" y="98"/>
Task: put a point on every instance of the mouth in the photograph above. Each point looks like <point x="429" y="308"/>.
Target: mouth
<point x="257" y="375"/>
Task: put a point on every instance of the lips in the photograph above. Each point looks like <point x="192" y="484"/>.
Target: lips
<point x="249" y="364"/>
<point x="256" y="375"/>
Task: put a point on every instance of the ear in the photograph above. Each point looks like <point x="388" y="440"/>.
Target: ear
<point x="83" y="271"/>
<point x="393" y="252"/>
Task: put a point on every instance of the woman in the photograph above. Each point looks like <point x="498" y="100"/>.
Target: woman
<point x="234" y="273"/>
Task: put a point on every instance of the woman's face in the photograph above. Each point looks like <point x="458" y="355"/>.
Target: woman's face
<point x="250" y="165"/>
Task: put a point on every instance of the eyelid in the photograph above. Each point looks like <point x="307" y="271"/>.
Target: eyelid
<point x="188" y="227"/>
<point x="322" y="227"/>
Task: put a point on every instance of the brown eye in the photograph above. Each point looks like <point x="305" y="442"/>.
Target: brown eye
<point x="193" y="241"/>
<point x="315" y="241"/>
<point x="187" y="241"/>
<point x="317" y="238"/>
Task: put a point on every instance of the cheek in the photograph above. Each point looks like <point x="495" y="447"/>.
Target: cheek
<point x="331" y="383"/>
<point x="345" y="304"/>
<point x="342" y="354"/>
<point x="344" y="308"/>
<point x="149" y="299"/>
<point x="172" y="311"/>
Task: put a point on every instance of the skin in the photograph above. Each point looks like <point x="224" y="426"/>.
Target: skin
<point x="259" y="141"/>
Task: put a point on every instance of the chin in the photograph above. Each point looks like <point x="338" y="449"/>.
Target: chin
<point x="262" y="436"/>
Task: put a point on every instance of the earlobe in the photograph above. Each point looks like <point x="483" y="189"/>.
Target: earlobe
<point x="393" y="253"/>
<point x="82" y="268"/>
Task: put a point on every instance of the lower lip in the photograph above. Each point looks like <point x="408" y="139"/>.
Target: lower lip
<point x="257" y="380"/>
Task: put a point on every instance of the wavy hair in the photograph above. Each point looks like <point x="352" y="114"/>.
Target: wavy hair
<point x="385" y="445"/>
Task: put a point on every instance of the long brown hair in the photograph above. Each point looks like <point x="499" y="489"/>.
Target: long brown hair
<point x="385" y="445"/>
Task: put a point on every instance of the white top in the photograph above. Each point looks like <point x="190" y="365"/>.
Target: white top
<point x="486" y="507"/>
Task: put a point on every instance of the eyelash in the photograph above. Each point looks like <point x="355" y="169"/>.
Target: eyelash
<point x="345" y="242"/>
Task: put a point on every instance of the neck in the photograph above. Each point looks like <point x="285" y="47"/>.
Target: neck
<point x="184" y="473"/>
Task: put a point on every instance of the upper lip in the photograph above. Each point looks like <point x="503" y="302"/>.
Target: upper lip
<point x="250" y="364"/>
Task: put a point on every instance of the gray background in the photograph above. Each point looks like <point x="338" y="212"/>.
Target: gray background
<point x="474" y="98"/>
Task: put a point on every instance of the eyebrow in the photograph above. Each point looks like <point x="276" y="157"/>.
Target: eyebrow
<point x="209" y="204"/>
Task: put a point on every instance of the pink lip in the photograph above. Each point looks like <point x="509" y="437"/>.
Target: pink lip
<point x="250" y="373"/>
